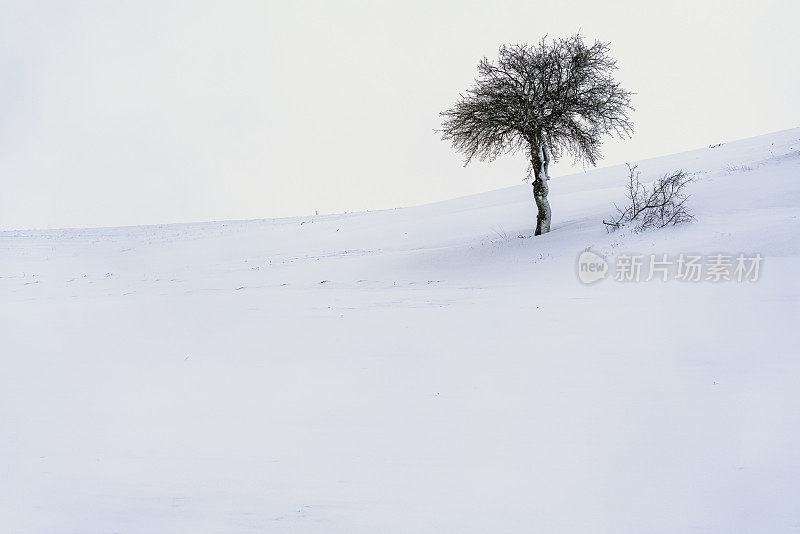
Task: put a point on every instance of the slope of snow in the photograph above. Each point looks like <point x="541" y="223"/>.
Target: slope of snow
<point x="414" y="370"/>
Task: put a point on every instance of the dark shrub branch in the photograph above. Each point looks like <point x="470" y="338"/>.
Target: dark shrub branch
<point x="663" y="204"/>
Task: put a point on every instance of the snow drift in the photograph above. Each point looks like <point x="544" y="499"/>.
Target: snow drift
<point x="425" y="369"/>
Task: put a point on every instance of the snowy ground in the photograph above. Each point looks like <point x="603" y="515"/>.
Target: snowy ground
<point x="415" y="370"/>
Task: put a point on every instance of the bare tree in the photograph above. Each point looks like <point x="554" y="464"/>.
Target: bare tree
<point x="664" y="204"/>
<point x="544" y="100"/>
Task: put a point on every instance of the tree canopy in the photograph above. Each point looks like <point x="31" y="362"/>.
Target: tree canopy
<point x="560" y="94"/>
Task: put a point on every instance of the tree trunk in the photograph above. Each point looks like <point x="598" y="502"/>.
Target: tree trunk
<point x="540" y="160"/>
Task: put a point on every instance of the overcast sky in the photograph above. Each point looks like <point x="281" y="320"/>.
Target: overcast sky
<point x="118" y="113"/>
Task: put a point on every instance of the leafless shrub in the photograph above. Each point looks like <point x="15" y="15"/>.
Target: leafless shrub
<point x="501" y="233"/>
<point x="663" y="204"/>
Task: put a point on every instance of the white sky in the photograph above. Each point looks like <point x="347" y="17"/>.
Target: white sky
<point x="117" y="113"/>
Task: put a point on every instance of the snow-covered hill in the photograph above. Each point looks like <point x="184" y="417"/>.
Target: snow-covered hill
<point x="427" y="369"/>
